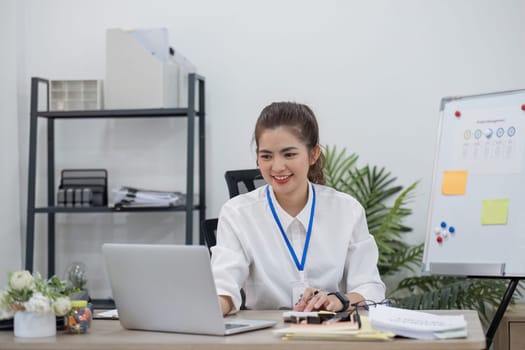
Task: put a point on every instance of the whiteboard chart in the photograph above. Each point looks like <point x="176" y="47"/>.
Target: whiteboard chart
<point x="476" y="219"/>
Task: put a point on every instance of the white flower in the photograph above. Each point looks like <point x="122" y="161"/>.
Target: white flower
<point x="21" y="280"/>
<point x="61" y="306"/>
<point x="3" y="299"/>
<point x="35" y="294"/>
<point x="4" y="306"/>
<point x="38" y="303"/>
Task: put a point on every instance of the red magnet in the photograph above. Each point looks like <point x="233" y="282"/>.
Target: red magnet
<point x="523" y="107"/>
<point x="439" y="239"/>
<point x="457" y="114"/>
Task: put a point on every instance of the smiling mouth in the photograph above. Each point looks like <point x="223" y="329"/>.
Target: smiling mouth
<point x="282" y="179"/>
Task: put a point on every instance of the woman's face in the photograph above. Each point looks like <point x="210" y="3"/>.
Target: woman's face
<point x="284" y="161"/>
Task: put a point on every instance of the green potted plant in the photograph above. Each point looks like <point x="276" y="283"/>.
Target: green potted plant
<point x="375" y="188"/>
<point x="77" y="278"/>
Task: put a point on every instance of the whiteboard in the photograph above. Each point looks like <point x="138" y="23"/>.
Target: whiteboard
<point x="476" y="216"/>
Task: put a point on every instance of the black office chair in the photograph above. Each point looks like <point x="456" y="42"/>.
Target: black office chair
<point x="242" y="181"/>
<point x="238" y="181"/>
<point x="209" y="232"/>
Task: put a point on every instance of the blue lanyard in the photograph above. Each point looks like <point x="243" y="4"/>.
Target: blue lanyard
<point x="300" y="265"/>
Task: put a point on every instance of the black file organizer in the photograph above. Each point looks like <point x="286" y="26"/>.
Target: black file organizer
<point x="77" y="181"/>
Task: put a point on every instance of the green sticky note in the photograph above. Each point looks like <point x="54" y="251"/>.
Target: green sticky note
<point x="494" y="211"/>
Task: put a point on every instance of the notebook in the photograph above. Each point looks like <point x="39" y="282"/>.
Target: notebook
<point x="169" y="288"/>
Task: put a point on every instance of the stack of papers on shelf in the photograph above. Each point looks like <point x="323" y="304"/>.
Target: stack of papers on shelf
<point x="417" y="324"/>
<point x="336" y="331"/>
<point x="133" y="197"/>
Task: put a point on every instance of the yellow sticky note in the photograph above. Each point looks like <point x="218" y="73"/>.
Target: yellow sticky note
<point x="454" y="182"/>
<point x="494" y="211"/>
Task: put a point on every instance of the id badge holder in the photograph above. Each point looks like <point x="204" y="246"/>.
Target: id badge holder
<point x="298" y="288"/>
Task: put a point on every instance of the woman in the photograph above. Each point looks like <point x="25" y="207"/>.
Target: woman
<point x="293" y="243"/>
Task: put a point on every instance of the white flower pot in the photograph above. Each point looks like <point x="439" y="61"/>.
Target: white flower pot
<point x="34" y="325"/>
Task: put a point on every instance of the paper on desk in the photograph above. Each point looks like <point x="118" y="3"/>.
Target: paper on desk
<point x="336" y="331"/>
<point x="112" y="314"/>
<point x="417" y="324"/>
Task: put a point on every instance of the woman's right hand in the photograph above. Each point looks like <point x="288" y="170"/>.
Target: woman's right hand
<point x="226" y="304"/>
<point x="308" y="296"/>
<point x="315" y="299"/>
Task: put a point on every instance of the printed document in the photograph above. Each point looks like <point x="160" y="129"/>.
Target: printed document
<point x="417" y="324"/>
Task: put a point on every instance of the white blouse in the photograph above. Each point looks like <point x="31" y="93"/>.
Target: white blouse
<point x="252" y="254"/>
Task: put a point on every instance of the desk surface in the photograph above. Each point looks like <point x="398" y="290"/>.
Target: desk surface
<point x="108" y="334"/>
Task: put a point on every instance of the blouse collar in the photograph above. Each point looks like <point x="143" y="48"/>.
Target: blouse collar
<point x="304" y="215"/>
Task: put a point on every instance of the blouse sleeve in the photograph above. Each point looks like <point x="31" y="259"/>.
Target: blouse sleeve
<point x="362" y="257"/>
<point x="230" y="265"/>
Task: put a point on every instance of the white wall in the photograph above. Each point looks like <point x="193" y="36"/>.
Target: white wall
<point x="373" y="71"/>
<point x="10" y="252"/>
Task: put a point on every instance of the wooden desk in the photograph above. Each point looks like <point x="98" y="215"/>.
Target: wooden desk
<point x="511" y="330"/>
<point x="108" y="334"/>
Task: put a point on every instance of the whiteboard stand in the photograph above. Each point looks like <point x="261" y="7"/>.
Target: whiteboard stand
<point x="507" y="297"/>
<point x="495" y="271"/>
<point x="475" y="218"/>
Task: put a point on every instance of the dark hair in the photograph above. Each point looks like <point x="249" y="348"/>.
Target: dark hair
<point x="301" y="121"/>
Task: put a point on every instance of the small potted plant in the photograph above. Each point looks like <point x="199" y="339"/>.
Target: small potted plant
<point x="77" y="278"/>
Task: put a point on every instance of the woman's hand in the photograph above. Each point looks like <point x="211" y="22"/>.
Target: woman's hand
<point x="317" y="299"/>
<point x="226" y="304"/>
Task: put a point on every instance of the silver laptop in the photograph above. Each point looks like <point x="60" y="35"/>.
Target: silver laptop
<point x="169" y="288"/>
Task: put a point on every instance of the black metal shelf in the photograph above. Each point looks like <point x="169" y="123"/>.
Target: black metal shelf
<point x="191" y="113"/>
<point x="115" y="209"/>
<point x="118" y="113"/>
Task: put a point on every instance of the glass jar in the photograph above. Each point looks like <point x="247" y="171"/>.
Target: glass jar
<point x="78" y="320"/>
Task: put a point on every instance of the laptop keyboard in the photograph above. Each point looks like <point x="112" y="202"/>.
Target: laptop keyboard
<point x="234" y="325"/>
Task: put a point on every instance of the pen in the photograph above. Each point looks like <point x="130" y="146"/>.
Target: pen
<point x="312" y="295"/>
<point x="309" y="298"/>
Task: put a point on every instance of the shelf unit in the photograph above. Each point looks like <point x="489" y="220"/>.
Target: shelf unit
<point x="191" y="113"/>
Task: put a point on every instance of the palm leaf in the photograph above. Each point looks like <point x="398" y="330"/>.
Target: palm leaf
<point x="372" y="187"/>
<point x="336" y="166"/>
<point x="446" y="292"/>
<point x="403" y="258"/>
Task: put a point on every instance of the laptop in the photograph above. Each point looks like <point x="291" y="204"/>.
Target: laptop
<point x="169" y="288"/>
